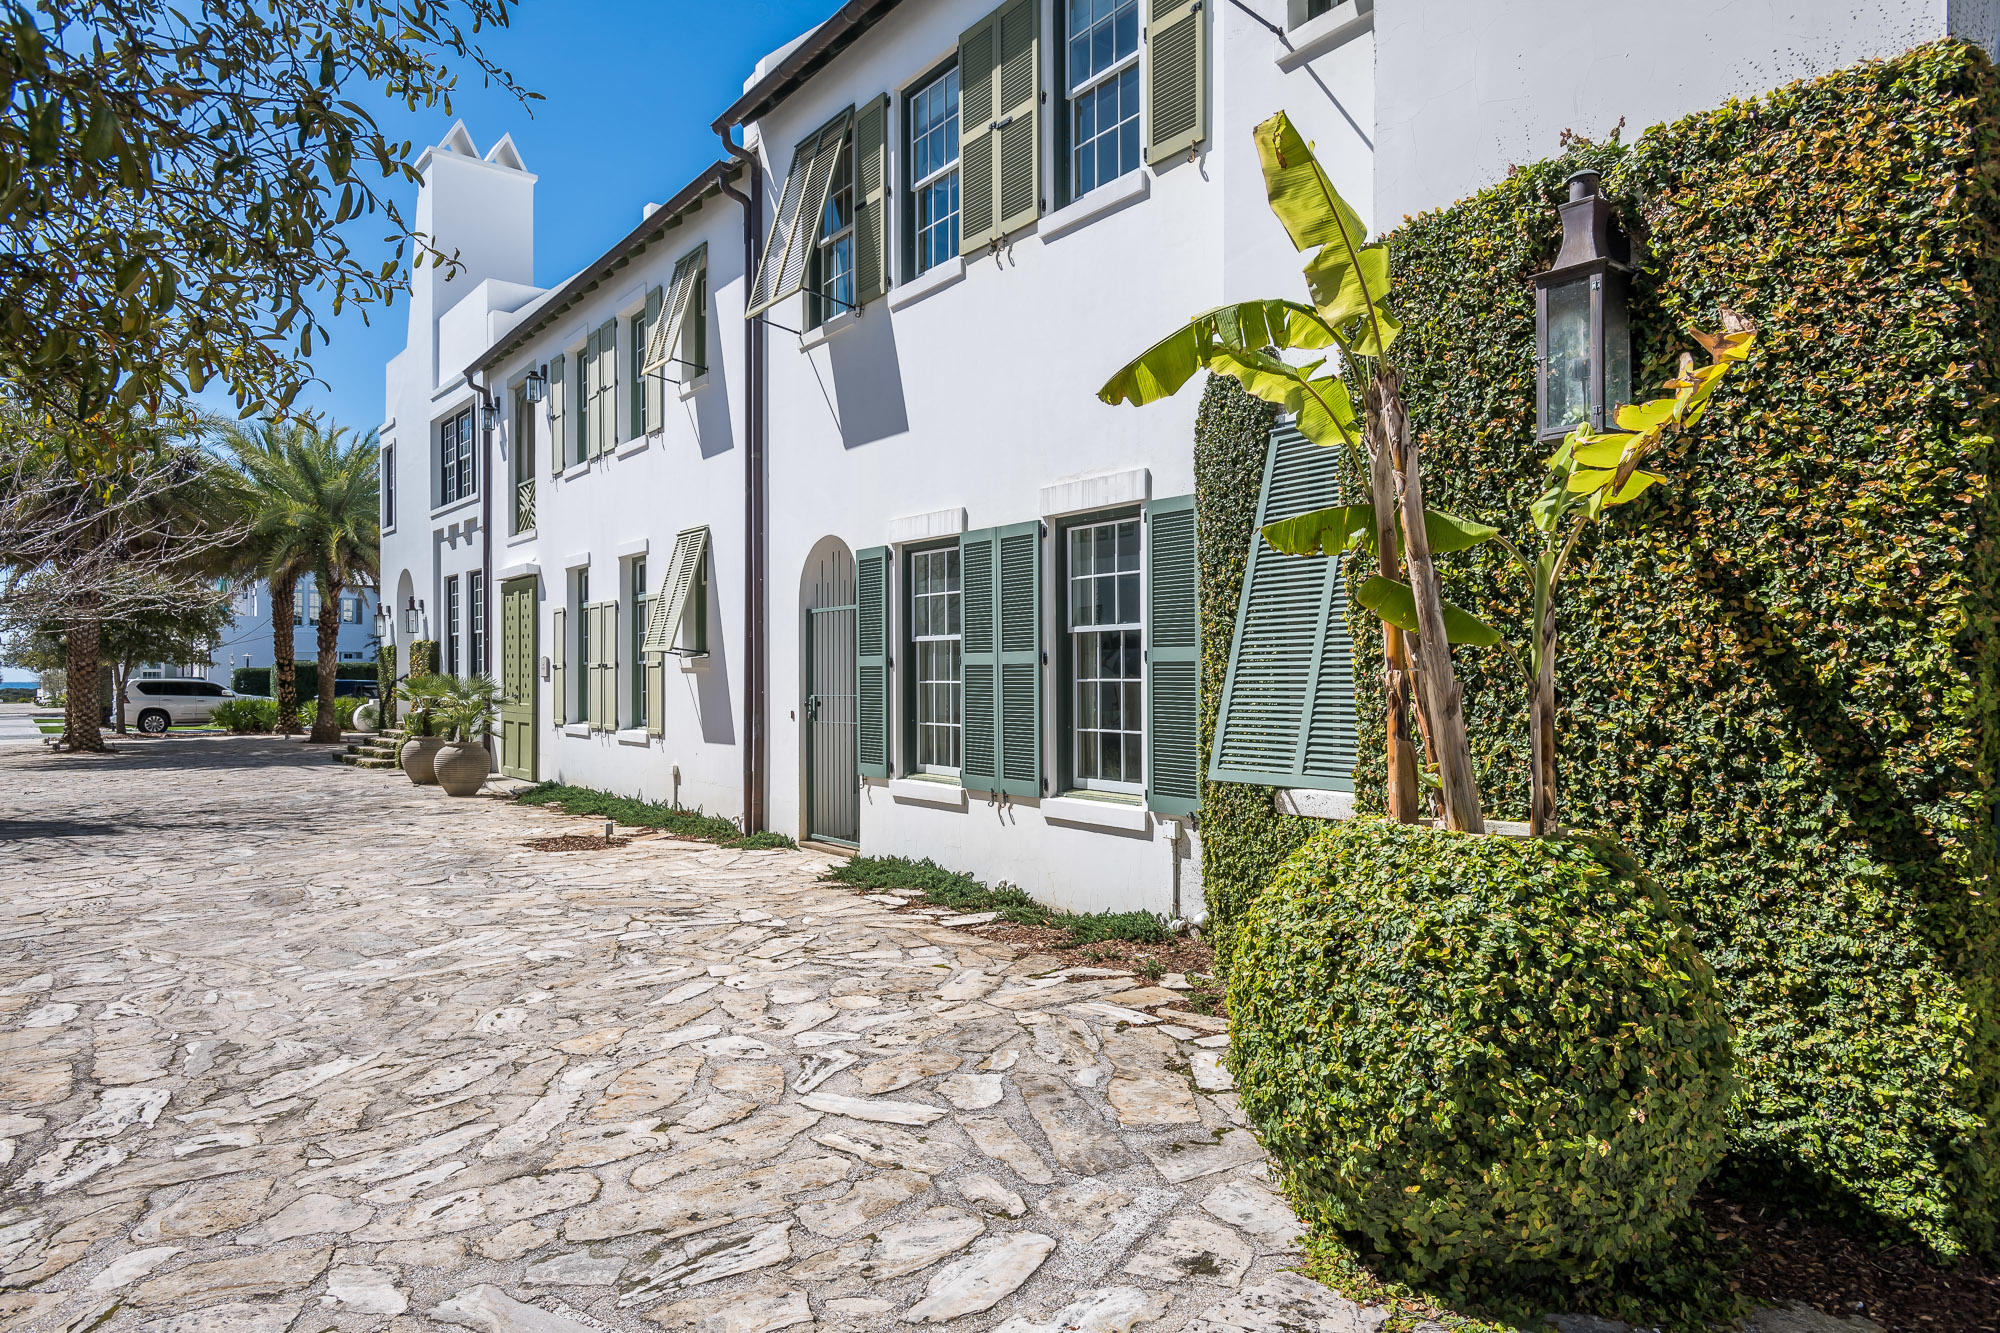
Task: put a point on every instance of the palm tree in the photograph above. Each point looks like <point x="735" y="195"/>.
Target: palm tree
<point x="308" y="489"/>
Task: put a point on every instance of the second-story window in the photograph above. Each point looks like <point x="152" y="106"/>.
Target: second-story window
<point x="1103" y="70"/>
<point x="388" y="486"/>
<point x="934" y="170"/>
<point x="834" y="256"/>
<point x="456" y="476"/>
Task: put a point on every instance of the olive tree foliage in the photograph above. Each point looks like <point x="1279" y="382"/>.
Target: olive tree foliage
<point x="174" y="176"/>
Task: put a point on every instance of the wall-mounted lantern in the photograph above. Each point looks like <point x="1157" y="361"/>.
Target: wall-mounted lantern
<point x="489" y="415"/>
<point x="384" y="623"/>
<point x="536" y="386"/>
<point x="411" y="618"/>
<point x="1583" y="331"/>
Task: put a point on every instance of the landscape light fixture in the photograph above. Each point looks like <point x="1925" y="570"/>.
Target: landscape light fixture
<point x="1583" y="329"/>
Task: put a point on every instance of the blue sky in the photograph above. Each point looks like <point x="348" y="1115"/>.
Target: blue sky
<point x="629" y="88"/>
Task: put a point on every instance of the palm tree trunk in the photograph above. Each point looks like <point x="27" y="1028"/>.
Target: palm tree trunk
<point x="1542" y="736"/>
<point x="1404" y="792"/>
<point x="83" y="715"/>
<point x="284" y="673"/>
<point x="326" y="723"/>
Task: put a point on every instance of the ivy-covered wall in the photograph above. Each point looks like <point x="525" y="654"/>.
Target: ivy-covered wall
<point x="1781" y="675"/>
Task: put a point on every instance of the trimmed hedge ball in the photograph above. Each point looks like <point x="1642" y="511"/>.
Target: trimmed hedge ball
<point x="1494" y="1059"/>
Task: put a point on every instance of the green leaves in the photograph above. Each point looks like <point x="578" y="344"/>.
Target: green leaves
<point x="1241" y="330"/>
<point x="1397" y="605"/>
<point x="1300" y="193"/>
<point x="1323" y="531"/>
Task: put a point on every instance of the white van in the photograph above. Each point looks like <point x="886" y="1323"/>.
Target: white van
<point x="155" y="705"/>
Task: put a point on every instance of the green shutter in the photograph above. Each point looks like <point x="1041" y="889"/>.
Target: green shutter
<point x="1176" y="78"/>
<point x="871" y="200"/>
<point x="1018" y="592"/>
<point x="871" y="674"/>
<point x="604" y="413"/>
<point x="559" y="666"/>
<point x="782" y="271"/>
<point x="1017" y="96"/>
<point x="586" y="362"/>
<point x="977" y="51"/>
<point x="1173" y="659"/>
<point x="557" y="395"/>
<point x="979" y="662"/>
<point x="1288" y="701"/>
<point x="681" y="308"/>
<point x="652" y="403"/>
<point x="608" y="626"/>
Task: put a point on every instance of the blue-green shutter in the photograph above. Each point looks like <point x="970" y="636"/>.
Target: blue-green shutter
<point x="1018" y="593"/>
<point x="1288" y="702"/>
<point x="979" y="767"/>
<point x="871" y="675"/>
<point x="1173" y="659"/>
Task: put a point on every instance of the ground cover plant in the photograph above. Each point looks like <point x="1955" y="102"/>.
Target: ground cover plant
<point x="634" y="813"/>
<point x="937" y="887"/>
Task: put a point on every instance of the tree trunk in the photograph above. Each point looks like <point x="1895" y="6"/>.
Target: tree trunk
<point x="326" y="722"/>
<point x="1542" y="737"/>
<point x="1404" y="789"/>
<point x="284" y="674"/>
<point x="1437" y="682"/>
<point x="83" y="715"/>
<point x="120" y="676"/>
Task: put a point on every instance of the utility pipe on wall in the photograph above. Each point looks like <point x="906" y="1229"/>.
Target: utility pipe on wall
<point x="756" y="636"/>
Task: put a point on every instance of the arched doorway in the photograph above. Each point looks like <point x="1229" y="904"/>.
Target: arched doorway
<point x="832" y="780"/>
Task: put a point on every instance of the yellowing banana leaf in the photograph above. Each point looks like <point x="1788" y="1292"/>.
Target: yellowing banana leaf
<point x="1397" y="605"/>
<point x="1344" y="286"/>
<point x="1642" y="417"/>
<point x="1726" y="347"/>
<point x="1326" y="412"/>
<point x="1301" y="195"/>
<point x="1324" y="531"/>
<point x="1603" y="450"/>
<point x="1635" y="486"/>
<point x="1165" y="367"/>
<point x="1585" y="480"/>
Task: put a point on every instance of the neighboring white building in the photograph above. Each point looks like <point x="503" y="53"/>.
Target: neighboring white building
<point x="874" y="566"/>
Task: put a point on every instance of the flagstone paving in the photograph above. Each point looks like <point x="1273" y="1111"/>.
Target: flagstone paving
<point x="285" y="1045"/>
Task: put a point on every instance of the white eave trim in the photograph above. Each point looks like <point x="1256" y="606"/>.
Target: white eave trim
<point x="1134" y="486"/>
<point x="1329" y="32"/>
<point x="925" y="527"/>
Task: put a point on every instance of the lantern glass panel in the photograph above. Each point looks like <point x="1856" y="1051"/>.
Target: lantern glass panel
<point x="1567" y="366"/>
<point x="1617" y="349"/>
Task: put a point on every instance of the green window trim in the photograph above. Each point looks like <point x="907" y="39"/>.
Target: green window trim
<point x="1287" y="717"/>
<point x="1073" y="717"/>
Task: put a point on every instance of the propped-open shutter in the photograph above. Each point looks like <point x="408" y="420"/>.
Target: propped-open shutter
<point x="979" y="661"/>
<point x="1018" y="591"/>
<point x="663" y="351"/>
<point x="604" y="413"/>
<point x="871" y="200"/>
<point x="1173" y="659"/>
<point x="559" y="666"/>
<point x="671" y="604"/>
<point x="978" y="52"/>
<point x="782" y="271"/>
<point x="558" y="422"/>
<point x="1176" y="77"/>
<point x="1017" y="124"/>
<point x="871" y="673"/>
<point x="1288" y="701"/>
<point x="654" y="396"/>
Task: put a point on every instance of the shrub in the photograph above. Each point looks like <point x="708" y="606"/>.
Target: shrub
<point x="344" y="707"/>
<point x="245" y="716"/>
<point x="647" y="814"/>
<point x="1497" y="1062"/>
<point x="385" y="683"/>
<point x="423" y="657"/>
<point x="939" y="887"/>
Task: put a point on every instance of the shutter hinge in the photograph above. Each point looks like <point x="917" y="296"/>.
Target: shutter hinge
<point x="1045" y="786"/>
<point x="1045" y="658"/>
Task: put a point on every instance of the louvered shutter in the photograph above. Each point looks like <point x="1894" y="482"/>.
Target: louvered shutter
<point x="1017" y="122"/>
<point x="871" y="200"/>
<point x="1176" y="77"/>
<point x="782" y="272"/>
<point x="1288" y="701"/>
<point x="604" y="414"/>
<point x="1173" y="659"/>
<point x="979" y="768"/>
<point x="655" y="684"/>
<point x="664" y="350"/>
<point x="871" y="674"/>
<point x="652" y="415"/>
<point x="586" y="400"/>
<point x="593" y="671"/>
<point x="608" y="626"/>
<point x="559" y="666"/>
<point x="978" y="48"/>
<point x="558" y="394"/>
<point x="1018" y="592"/>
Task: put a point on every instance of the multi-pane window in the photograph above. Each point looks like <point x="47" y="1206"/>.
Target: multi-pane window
<point x="934" y="169"/>
<point x="451" y="606"/>
<point x="641" y="609"/>
<point x="1103" y="69"/>
<point x="525" y="414"/>
<point x="456" y="475"/>
<point x="937" y="648"/>
<point x="641" y="334"/>
<point x="834" y="255"/>
<point x="1106" y="627"/>
<point x="583" y="387"/>
<point x="388" y="486"/>
<point x="476" y="624"/>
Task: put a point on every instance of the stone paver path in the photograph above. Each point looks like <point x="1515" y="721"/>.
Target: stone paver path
<point x="290" y="1046"/>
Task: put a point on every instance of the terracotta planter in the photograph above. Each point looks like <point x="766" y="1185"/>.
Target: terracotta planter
<point x="418" y="752"/>
<point x="462" y="767"/>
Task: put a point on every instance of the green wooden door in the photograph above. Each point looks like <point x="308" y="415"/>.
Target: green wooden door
<point x="518" y="679"/>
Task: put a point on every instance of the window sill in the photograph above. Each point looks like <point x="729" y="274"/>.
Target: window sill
<point x="633" y="737"/>
<point x="933" y="280"/>
<point x="575" y="470"/>
<point x="1129" y="188"/>
<point x="522" y="538"/>
<point x="941" y="791"/>
<point x="812" y="338"/>
<point x="443" y="511"/>
<point x="636" y="445"/>
<point x="1329" y="32"/>
<point x="577" y="729"/>
<point x="689" y="388"/>
<point x="1123" y="815"/>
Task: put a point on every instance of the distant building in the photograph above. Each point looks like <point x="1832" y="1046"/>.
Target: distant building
<point x="247" y="642"/>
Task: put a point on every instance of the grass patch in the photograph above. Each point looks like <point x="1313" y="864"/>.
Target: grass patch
<point x="646" y="814"/>
<point x="958" y="892"/>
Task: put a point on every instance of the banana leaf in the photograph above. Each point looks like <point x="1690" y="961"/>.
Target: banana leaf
<point x="1397" y="605"/>
<point x="1164" y="368"/>
<point x="1304" y="199"/>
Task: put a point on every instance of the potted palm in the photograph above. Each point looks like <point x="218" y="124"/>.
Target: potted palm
<point x="424" y="696"/>
<point x="463" y="763"/>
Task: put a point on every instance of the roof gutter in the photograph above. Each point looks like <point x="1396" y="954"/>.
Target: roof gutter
<point x="756" y="700"/>
<point x="827" y="41"/>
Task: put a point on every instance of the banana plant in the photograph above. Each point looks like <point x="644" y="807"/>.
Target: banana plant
<point x="1348" y="318"/>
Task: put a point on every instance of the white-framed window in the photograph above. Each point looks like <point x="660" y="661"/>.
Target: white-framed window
<point x="476" y="621"/>
<point x="833" y="254"/>
<point x="933" y="113"/>
<point x="457" y="479"/>
<point x="1106" y="629"/>
<point x="1102" y="65"/>
<point x="936" y="646"/>
<point x="641" y="607"/>
<point x="1302" y="11"/>
<point x="388" y="488"/>
<point x="451" y="608"/>
<point x="580" y="707"/>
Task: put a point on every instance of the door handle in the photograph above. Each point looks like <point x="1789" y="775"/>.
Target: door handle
<point x="812" y="708"/>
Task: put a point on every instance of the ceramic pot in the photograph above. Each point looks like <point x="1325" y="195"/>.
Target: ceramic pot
<point x="367" y="718"/>
<point x="418" y="752"/>
<point x="462" y="767"/>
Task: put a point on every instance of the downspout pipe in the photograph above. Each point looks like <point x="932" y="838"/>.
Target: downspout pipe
<point x="755" y="537"/>
<point x="487" y="413"/>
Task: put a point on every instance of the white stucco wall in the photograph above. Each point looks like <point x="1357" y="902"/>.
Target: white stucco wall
<point x="1468" y="87"/>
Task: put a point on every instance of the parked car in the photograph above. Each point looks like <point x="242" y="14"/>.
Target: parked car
<point x="348" y="687"/>
<point x="155" y="705"/>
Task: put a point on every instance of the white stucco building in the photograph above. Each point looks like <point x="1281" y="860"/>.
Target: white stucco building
<point x="873" y="565"/>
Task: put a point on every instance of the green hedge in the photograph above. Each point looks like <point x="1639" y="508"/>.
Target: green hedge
<point x="258" y="680"/>
<point x="1782" y="673"/>
<point x="385" y="684"/>
<point x="423" y="657"/>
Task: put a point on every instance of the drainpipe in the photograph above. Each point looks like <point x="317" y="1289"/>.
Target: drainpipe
<point x="756" y="650"/>
<point x="486" y="414"/>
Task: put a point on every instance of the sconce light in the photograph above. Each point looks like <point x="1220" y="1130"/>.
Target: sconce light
<point x="536" y="386"/>
<point x="410" y="621"/>
<point x="1583" y="332"/>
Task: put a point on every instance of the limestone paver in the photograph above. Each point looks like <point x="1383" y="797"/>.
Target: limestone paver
<point x="289" y="1046"/>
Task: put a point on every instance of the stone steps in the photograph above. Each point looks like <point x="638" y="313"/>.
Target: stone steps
<point x="376" y="752"/>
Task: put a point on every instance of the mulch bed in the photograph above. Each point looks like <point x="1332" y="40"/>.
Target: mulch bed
<point x="576" y="842"/>
<point x="1786" y="1259"/>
